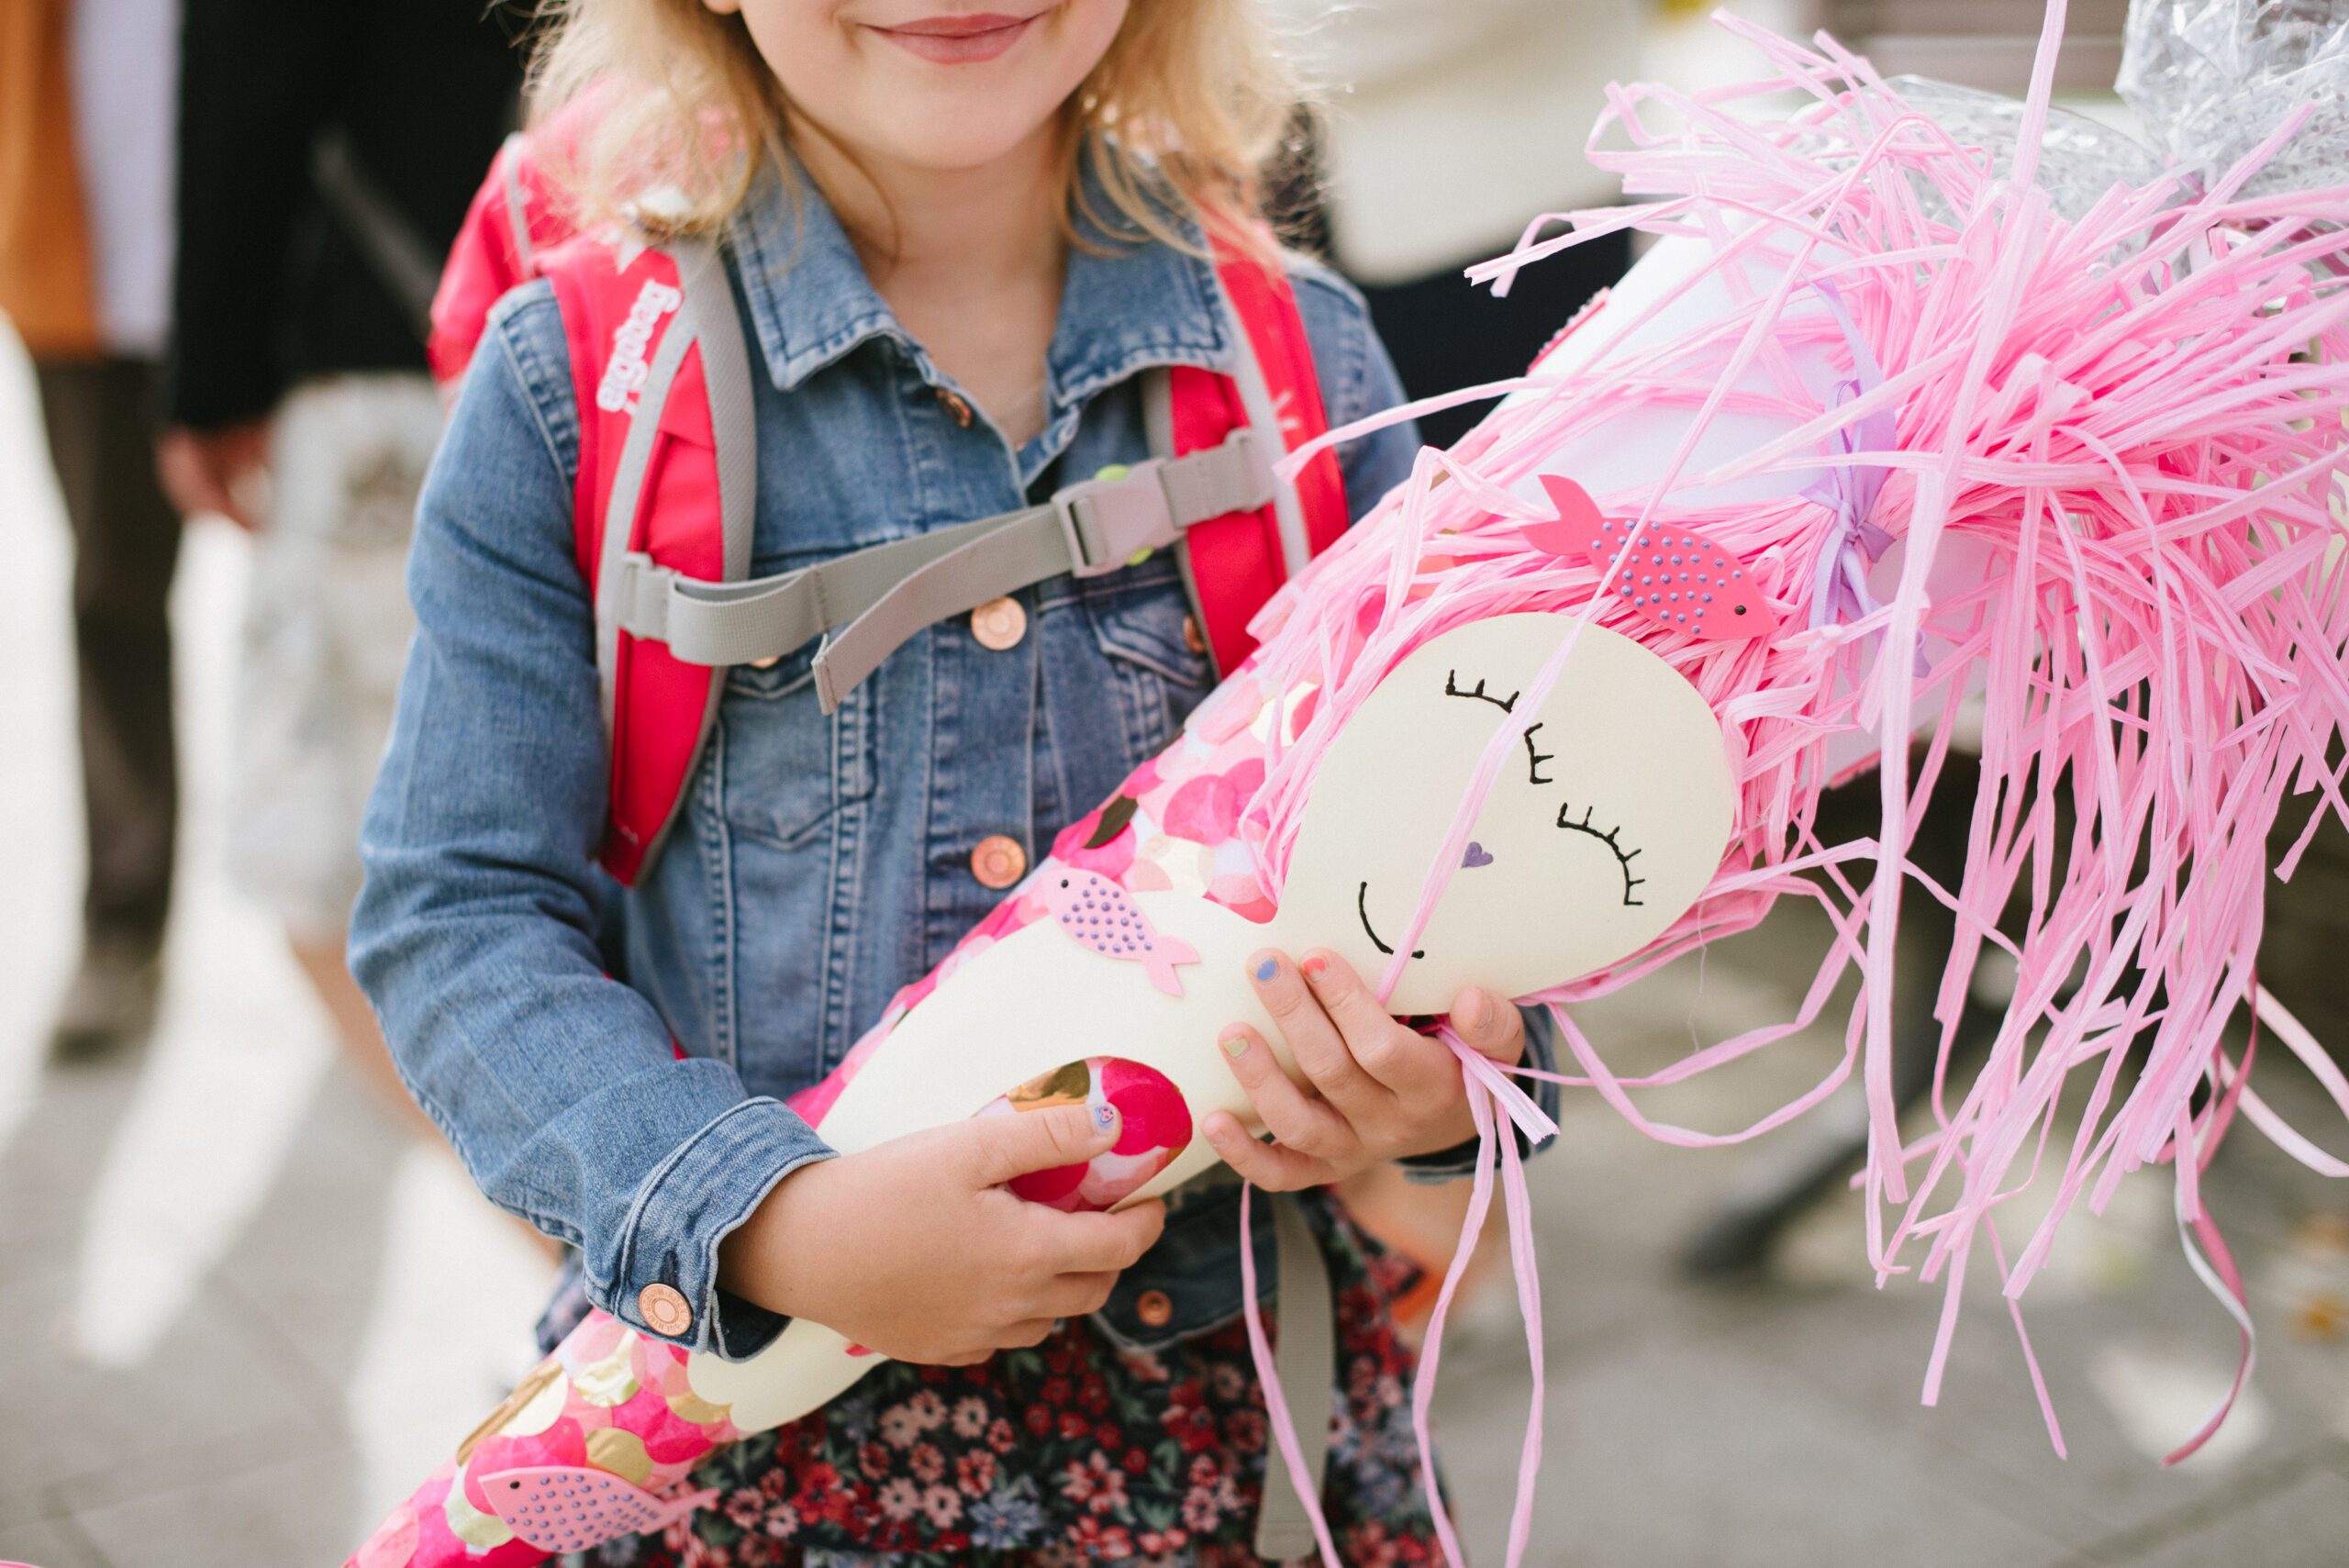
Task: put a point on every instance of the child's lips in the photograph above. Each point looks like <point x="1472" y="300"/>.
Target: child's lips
<point x="958" y="40"/>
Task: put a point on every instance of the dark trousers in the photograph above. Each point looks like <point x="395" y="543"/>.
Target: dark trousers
<point x="126" y="544"/>
<point x="1446" y="333"/>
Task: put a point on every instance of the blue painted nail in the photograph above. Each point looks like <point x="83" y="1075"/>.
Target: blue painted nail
<point x="1267" y="968"/>
<point x="1105" y="1116"/>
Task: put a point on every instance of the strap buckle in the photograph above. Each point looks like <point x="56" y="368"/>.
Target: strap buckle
<point x="1107" y="522"/>
<point x="641" y="597"/>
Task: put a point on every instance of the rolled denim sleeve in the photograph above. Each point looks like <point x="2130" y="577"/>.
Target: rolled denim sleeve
<point x="474" y="935"/>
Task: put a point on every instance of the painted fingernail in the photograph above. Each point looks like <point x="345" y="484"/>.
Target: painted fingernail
<point x="1105" y="1116"/>
<point x="1234" y="1043"/>
<point x="1314" y="966"/>
<point x="1476" y="1010"/>
<point x="1265" y="967"/>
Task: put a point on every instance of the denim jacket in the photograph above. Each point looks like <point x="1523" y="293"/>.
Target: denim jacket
<point x="819" y="863"/>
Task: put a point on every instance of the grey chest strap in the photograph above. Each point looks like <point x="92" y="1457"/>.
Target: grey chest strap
<point x="1307" y="1359"/>
<point x="867" y="602"/>
<point x="870" y="601"/>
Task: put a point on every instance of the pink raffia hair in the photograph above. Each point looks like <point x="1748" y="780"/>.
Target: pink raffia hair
<point x="2132" y="420"/>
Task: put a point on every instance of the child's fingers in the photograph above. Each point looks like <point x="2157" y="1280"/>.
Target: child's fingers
<point x="1098" y="1243"/>
<point x="1270" y="1166"/>
<point x="1308" y="1125"/>
<point x="1003" y="1147"/>
<point x="1312" y="1038"/>
<point x="1396" y="1060"/>
<point x="1365" y="1023"/>
<point x="1076" y="1296"/>
<point x="1022" y="1335"/>
<point x="1488" y="1026"/>
<point x="1416" y="1069"/>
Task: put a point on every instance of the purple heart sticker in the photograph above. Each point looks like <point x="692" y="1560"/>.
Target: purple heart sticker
<point x="1475" y="857"/>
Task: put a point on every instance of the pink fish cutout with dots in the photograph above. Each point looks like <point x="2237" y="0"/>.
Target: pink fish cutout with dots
<point x="1673" y="574"/>
<point x="560" y="1508"/>
<point x="1099" y="913"/>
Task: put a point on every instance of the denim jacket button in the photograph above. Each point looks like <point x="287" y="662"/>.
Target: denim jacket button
<point x="956" y="407"/>
<point x="1154" y="1307"/>
<point x="1193" y="637"/>
<point x="999" y="624"/>
<point x="664" y="1309"/>
<point x="999" y="862"/>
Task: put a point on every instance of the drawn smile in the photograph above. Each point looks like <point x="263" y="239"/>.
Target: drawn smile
<point x="1362" y="908"/>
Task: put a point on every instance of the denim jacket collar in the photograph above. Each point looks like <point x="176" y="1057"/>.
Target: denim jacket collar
<point x="1131" y="303"/>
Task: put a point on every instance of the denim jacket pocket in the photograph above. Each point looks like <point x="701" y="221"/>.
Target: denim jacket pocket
<point x="1139" y="627"/>
<point x="789" y="767"/>
<point x="773" y="679"/>
<point x="1142" y="623"/>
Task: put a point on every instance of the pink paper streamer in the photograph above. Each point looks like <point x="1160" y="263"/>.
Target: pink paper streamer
<point x="2132" y="417"/>
<point x="1493" y="1101"/>
<point x="1275" y="1402"/>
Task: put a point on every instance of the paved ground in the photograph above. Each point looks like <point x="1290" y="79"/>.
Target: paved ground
<point x="241" y="1309"/>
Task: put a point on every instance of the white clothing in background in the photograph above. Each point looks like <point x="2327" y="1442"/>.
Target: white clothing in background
<point x="327" y="629"/>
<point x="1452" y="122"/>
<point x="125" y="69"/>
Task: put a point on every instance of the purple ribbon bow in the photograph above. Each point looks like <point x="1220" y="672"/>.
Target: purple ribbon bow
<point x="1839" y="587"/>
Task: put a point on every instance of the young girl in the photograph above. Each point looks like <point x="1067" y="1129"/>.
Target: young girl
<point x="958" y="244"/>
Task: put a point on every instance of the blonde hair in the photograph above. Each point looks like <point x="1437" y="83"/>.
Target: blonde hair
<point x="1180" y="118"/>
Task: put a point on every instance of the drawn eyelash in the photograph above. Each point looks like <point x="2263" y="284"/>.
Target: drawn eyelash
<point x="1608" y="837"/>
<point x="1535" y="758"/>
<point x="1451" y="689"/>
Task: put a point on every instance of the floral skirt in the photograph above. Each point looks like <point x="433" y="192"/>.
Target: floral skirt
<point x="1075" y="1451"/>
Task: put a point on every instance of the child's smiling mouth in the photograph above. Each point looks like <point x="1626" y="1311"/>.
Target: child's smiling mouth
<point x="957" y="40"/>
<point x="1362" y="908"/>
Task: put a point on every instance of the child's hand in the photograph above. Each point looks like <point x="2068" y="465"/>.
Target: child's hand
<point x="1383" y="1091"/>
<point x="914" y="1250"/>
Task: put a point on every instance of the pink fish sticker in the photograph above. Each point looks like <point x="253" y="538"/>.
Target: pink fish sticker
<point x="574" y="1509"/>
<point x="1674" y="575"/>
<point x="1099" y="913"/>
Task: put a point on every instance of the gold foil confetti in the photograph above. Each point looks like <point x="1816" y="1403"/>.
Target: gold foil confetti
<point x="611" y="1381"/>
<point x="622" y="1454"/>
<point x="536" y="1401"/>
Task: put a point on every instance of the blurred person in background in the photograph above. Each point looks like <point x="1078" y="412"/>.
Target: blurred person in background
<point x="327" y="151"/>
<point x="85" y="241"/>
<point x="1452" y="123"/>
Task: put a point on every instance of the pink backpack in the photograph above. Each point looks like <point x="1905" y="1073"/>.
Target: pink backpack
<point x="667" y="485"/>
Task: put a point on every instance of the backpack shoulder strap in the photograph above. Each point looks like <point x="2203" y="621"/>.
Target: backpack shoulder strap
<point x="668" y="474"/>
<point x="1232" y="565"/>
<point x="1278" y="381"/>
<point x="666" y="487"/>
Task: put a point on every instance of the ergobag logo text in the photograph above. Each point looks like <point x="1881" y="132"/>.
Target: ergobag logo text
<point x="625" y="372"/>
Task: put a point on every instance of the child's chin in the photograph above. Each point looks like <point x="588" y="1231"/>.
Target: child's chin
<point x="954" y="131"/>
